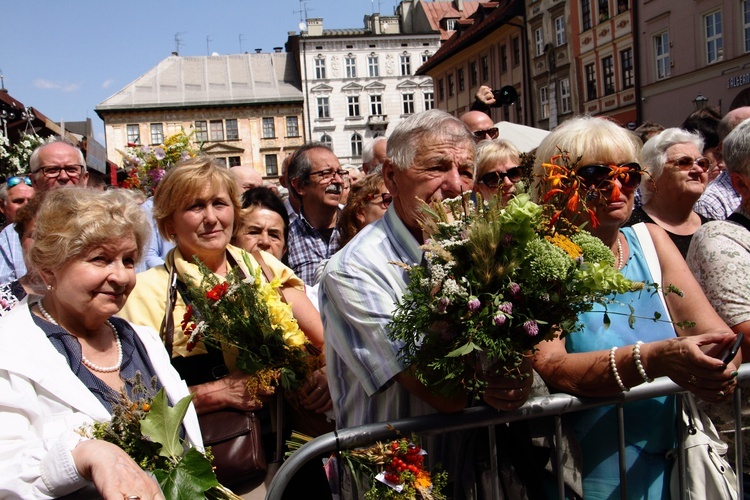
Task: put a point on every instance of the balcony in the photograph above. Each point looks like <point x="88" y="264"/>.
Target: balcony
<point x="376" y="122"/>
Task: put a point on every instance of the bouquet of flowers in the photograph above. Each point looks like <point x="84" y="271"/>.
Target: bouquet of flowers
<point x="14" y="158"/>
<point x="148" y="430"/>
<point x="146" y="165"/>
<point x="393" y="470"/>
<point x="496" y="281"/>
<point x="249" y="315"/>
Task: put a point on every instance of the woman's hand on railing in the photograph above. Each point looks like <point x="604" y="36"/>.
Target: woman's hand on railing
<point x="505" y="393"/>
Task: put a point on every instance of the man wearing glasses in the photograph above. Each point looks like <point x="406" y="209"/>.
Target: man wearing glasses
<point x="480" y="125"/>
<point x="317" y="180"/>
<point x="52" y="166"/>
<point x="14" y="194"/>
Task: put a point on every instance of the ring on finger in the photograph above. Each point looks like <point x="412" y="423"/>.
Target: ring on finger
<point x="133" y="497"/>
<point x="720" y="394"/>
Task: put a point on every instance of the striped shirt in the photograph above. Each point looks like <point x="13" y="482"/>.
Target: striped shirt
<point x="719" y="199"/>
<point x="307" y="248"/>
<point x="358" y="293"/>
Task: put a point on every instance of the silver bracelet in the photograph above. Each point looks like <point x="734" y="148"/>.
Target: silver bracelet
<point x="616" y="374"/>
<point x="638" y="364"/>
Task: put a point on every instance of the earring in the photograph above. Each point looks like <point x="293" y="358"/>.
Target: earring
<point x="49" y="287"/>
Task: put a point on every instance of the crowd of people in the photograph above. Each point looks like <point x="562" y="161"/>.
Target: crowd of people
<point x="90" y="278"/>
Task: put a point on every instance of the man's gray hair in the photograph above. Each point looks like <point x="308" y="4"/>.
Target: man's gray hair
<point x="300" y="164"/>
<point x="737" y="149"/>
<point x="435" y="124"/>
<point x="368" y="152"/>
<point x="34" y="158"/>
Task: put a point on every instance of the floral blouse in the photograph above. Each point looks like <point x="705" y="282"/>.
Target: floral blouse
<point x="10" y="295"/>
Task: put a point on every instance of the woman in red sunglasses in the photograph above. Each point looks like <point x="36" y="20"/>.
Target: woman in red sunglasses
<point x="608" y="359"/>
<point x="678" y="174"/>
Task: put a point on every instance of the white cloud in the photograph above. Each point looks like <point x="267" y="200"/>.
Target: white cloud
<point x="42" y="83"/>
<point x="108" y="83"/>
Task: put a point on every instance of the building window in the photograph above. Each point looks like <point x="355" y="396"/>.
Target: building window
<point x="516" y="51"/>
<point x="233" y="132"/>
<point x="373" y="69"/>
<point x="603" y="10"/>
<point x="608" y="71"/>
<point x="134" y="134"/>
<point x="485" y="68"/>
<point x="320" y="67"/>
<point x="405" y="65"/>
<point x="661" y="52"/>
<point x="351" y="66"/>
<point x="326" y="139"/>
<point x="451" y="86"/>
<point x="425" y="56"/>
<point x="201" y="131"/>
<point x="323" y="111"/>
<point x="272" y="165"/>
<point x="714" y="41"/>
<point x="407" y="100"/>
<point x="376" y="104"/>
<point x="538" y="42"/>
<point x="590" y="70"/>
<point x="626" y="62"/>
<point x="234" y="161"/>
<point x="473" y="74"/>
<point x="217" y="130"/>
<point x="461" y="83"/>
<point x="544" y="102"/>
<point x="292" y="126"/>
<point x="586" y="14"/>
<point x="450" y="24"/>
<point x="353" y="105"/>
<point x="429" y="100"/>
<point x="441" y="90"/>
<point x="746" y="23"/>
<point x="622" y="6"/>
<point x="269" y="130"/>
<point x="157" y="133"/>
<point x="504" y="58"/>
<point x="356" y="144"/>
<point x="560" y="38"/>
<point x="565" y="99"/>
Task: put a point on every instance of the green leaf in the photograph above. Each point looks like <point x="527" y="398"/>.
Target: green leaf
<point x="463" y="350"/>
<point x="162" y="424"/>
<point x="606" y="320"/>
<point x="190" y="478"/>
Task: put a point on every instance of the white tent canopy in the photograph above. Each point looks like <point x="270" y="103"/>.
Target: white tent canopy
<point x="523" y="137"/>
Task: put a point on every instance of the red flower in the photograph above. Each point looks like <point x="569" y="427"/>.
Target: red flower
<point x="186" y="319"/>
<point x="217" y="292"/>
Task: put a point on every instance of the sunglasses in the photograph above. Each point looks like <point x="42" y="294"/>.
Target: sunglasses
<point x="16" y="180"/>
<point x="492" y="133"/>
<point x="494" y="179"/>
<point x="686" y="163"/>
<point x="629" y="175"/>
<point x="385" y="199"/>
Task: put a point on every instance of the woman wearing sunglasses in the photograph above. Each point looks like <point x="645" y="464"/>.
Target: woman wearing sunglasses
<point x="607" y="360"/>
<point x="677" y="174"/>
<point x="497" y="169"/>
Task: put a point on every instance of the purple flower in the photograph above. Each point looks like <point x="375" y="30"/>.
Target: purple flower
<point x="507" y="239"/>
<point x="474" y="303"/>
<point x="531" y="327"/>
<point x="159" y="154"/>
<point x="145" y="150"/>
<point x="506" y="307"/>
<point x="156" y="174"/>
<point x="185" y="156"/>
<point x="443" y="304"/>
<point x="500" y="319"/>
<point x="514" y="289"/>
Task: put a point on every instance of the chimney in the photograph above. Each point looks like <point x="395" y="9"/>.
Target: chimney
<point x="315" y="27"/>
<point x="175" y="54"/>
<point x="277" y="49"/>
<point x="258" y="51"/>
<point x="460" y="5"/>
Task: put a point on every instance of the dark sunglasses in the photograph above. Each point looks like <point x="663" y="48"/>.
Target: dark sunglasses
<point x="385" y="198"/>
<point x="629" y="175"/>
<point x="491" y="132"/>
<point x="494" y="179"/>
<point x="686" y="163"/>
<point x="16" y="180"/>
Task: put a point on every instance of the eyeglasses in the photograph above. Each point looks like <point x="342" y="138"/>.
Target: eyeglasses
<point x="491" y="132"/>
<point x="686" y="163"/>
<point x="494" y="179"/>
<point x="72" y="171"/>
<point x="16" y="180"/>
<point x="329" y="174"/>
<point x="629" y="175"/>
<point x="384" y="201"/>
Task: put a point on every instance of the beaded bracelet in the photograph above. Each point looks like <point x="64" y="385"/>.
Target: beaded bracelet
<point x="616" y="374"/>
<point x="638" y="364"/>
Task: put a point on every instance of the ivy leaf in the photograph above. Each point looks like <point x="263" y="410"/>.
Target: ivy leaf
<point x="463" y="350"/>
<point x="162" y="424"/>
<point x="189" y="479"/>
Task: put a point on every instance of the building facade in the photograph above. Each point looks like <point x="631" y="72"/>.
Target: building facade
<point x="243" y="109"/>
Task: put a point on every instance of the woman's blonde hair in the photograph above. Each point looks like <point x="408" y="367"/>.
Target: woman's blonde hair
<point x="360" y="195"/>
<point x="187" y="181"/>
<point x="73" y="220"/>
<point x="492" y="152"/>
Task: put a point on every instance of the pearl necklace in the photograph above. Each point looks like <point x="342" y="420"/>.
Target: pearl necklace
<point x="88" y="364"/>
<point x="620" y="264"/>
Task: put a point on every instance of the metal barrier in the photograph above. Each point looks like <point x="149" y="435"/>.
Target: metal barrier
<point x="553" y="405"/>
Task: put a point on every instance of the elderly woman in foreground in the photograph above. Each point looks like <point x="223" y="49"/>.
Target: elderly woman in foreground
<point x="607" y="360"/>
<point x="66" y="358"/>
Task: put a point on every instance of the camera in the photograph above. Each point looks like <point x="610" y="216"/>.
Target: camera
<point x="505" y="96"/>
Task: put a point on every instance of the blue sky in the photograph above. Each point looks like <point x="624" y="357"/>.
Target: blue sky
<point x="64" y="57"/>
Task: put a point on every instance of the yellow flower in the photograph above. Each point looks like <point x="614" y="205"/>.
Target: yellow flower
<point x="563" y="242"/>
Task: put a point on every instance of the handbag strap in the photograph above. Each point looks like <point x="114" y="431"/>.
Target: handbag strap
<point x="267" y="273"/>
<point x="166" y="330"/>
<point x="652" y="260"/>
